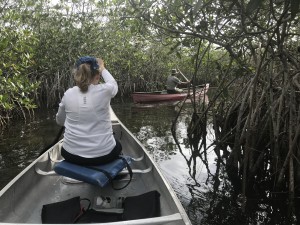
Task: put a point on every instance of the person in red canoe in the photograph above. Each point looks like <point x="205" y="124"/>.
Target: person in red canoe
<point x="173" y="81"/>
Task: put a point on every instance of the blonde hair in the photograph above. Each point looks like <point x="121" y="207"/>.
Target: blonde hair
<point x="84" y="75"/>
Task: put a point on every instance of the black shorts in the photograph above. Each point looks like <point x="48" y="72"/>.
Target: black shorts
<point x="114" y="154"/>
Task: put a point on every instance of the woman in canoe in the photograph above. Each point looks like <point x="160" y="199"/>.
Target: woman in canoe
<point x="85" y="112"/>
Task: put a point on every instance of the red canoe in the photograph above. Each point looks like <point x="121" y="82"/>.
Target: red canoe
<point x="162" y="96"/>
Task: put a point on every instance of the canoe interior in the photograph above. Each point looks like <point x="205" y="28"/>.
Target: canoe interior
<point x="22" y="199"/>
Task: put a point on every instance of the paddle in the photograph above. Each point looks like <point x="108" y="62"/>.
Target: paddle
<point x="61" y="130"/>
<point x="187" y="80"/>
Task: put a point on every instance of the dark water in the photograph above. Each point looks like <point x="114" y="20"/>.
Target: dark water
<point x="204" y="202"/>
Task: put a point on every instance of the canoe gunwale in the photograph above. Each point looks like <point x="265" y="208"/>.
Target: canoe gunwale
<point x="149" y="221"/>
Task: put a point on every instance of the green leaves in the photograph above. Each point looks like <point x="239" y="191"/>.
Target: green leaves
<point x="17" y="87"/>
<point x="39" y="41"/>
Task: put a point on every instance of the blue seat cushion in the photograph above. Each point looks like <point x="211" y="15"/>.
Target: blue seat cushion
<point x="97" y="175"/>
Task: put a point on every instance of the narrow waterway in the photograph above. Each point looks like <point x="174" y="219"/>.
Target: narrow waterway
<point x="207" y="199"/>
<point x="22" y="142"/>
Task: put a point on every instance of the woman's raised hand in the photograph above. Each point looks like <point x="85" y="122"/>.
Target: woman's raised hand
<point x="101" y="64"/>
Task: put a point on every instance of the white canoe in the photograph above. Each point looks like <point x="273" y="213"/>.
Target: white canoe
<point x="22" y="199"/>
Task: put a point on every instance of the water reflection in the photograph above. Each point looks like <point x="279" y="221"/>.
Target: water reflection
<point x="185" y="171"/>
<point x="208" y="198"/>
<point x="22" y="142"/>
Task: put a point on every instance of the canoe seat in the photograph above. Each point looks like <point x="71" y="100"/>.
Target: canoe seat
<point x="56" y="160"/>
<point x="97" y="175"/>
